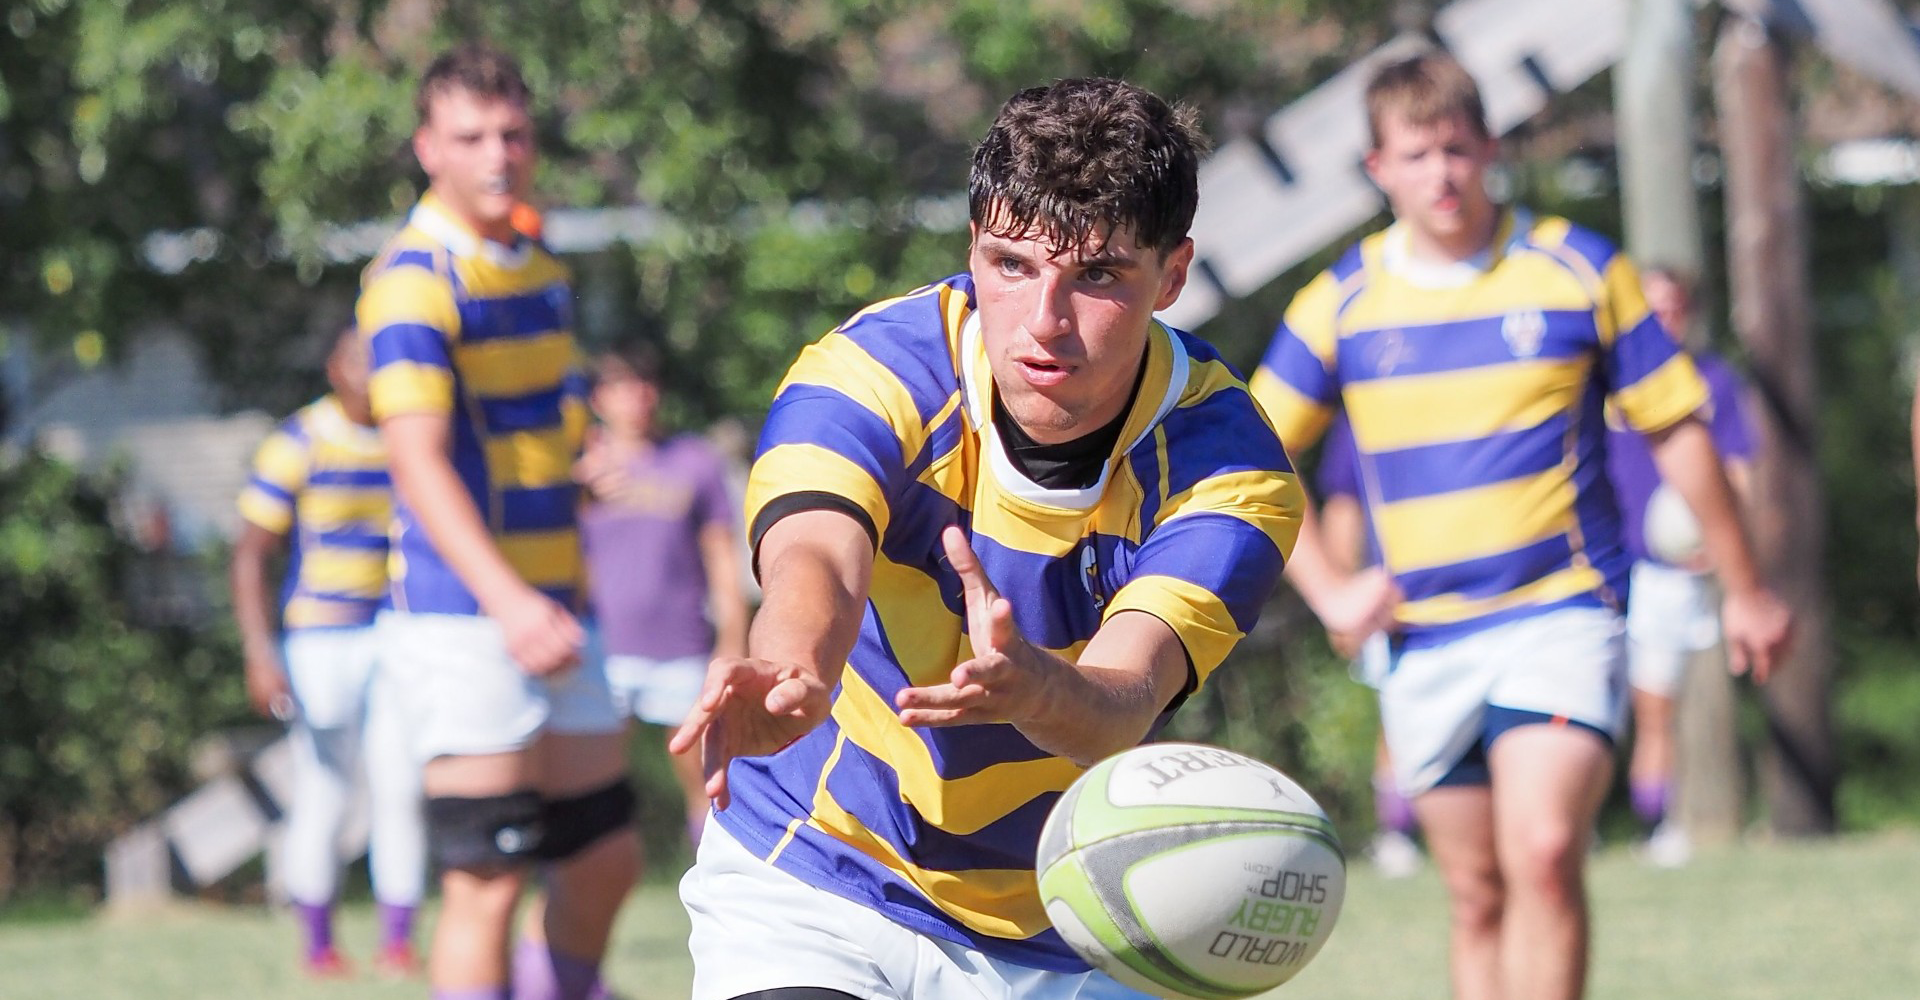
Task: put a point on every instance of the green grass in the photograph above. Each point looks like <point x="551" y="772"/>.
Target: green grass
<point x="1787" y="921"/>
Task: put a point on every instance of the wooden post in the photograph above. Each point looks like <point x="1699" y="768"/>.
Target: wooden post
<point x="1653" y="106"/>
<point x="1768" y="275"/>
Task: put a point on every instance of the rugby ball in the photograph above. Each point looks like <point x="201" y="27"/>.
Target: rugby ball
<point x="1672" y="532"/>
<point x="1191" y="872"/>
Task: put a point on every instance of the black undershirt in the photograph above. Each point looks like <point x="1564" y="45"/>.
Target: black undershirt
<point x="1069" y="465"/>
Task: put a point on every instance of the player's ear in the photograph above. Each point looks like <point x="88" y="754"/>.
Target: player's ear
<point x="1173" y="276"/>
<point x="1372" y="164"/>
<point x="424" y="151"/>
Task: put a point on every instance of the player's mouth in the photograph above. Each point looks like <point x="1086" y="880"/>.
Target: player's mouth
<point x="1041" y="373"/>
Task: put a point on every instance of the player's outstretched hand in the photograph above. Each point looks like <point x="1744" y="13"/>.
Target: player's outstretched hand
<point x="749" y="708"/>
<point x="1757" y="626"/>
<point x="1007" y="679"/>
<point x="543" y="637"/>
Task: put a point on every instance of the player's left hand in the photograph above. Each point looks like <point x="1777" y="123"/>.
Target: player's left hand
<point x="1757" y="626"/>
<point x="1007" y="680"/>
<point x="749" y="708"/>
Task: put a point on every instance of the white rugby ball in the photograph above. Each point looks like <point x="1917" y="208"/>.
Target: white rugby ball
<point x="1191" y="872"/>
<point x="1672" y="532"/>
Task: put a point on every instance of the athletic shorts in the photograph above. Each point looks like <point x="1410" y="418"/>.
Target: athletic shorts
<point x="1671" y="615"/>
<point x="463" y="694"/>
<point x="662" y="692"/>
<point x="330" y="671"/>
<point x="756" y="927"/>
<point x="1566" y="666"/>
<point x="1375" y="659"/>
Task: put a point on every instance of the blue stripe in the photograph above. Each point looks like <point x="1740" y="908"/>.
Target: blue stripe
<point x="919" y="513"/>
<point x="1221" y="434"/>
<point x="1289" y="358"/>
<point x="1219" y="553"/>
<point x="257" y="483"/>
<point x="1639" y="352"/>
<point x="1145" y="460"/>
<point x="1597" y="250"/>
<point x="415" y="342"/>
<point x="350" y="478"/>
<point x="1427" y="637"/>
<point x="1464" y="344"/>
<point x="1439" y="469"/>
<point x="550" y="508"/>
<point x="362" y="541"/>
<point x="1596" y="506"/>
<point x="296" y="428"/>
<point x="1051" y="603"/>
<point x="335" y="597"/>
<point x="909" y="339"/>
<point x="1489" y="576"/>
<point x="536" y="312"/>
<point x="869" y="788"/>
<point x="827" y="418"/>
<point x="412" y="257"/>
<point x="535" y="411"/>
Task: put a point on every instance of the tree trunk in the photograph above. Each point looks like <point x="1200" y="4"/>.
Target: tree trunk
<point x="1768" y="274"/>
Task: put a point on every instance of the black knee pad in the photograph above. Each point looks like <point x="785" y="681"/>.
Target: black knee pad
<point x="490" y="832"/>
<point x="573" y="823"/>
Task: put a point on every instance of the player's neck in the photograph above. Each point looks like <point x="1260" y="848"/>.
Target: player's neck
<point x="499" y="231"/>
<point x="632" y="440"/>
<point x="1470" y="242"/>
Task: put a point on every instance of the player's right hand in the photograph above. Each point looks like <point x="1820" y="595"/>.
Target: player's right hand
<point x="1756" y="626"/>
<point x="749" y="708"/>
<point x="267" y="688"/>
<point x="1361" y="605"/>
<point x="541" y="636"/>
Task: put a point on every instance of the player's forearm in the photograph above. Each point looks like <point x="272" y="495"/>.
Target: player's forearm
<point x="1311" y="569"/>
<point x="1688" y="461"/>
<point x="727" y="597"/>
<point x="248" y="578"/>
<point x="1109" y="700"/>
<point x="813" y="580"/>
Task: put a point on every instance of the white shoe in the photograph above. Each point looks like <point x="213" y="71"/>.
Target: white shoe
<point x="1394" y="854"/>
<point x="1667" y="847"/>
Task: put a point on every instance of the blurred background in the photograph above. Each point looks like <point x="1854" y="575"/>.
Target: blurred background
<point x="189" y="189"/>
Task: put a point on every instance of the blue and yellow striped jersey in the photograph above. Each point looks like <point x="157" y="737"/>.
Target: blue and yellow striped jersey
<point x="321" y="480"/>
<point x="1476" y="396"/>
<point x="1189" y="521"/>
<point x="481" y="333"/>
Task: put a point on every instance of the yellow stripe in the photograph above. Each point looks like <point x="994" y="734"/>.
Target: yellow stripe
<point x="790" y="468"/>
<point x="1445" y="609"/>
<point x="407" y="295"/>
<point x="1664" y="396"/>
<point x="1626" y="300"/>
<point x="1407" y="411"/>
<point x="1296" y="419"/>
<point x="1525" y="281"/>
<point x="837" y="363"/>
<point x="485" y="279"/>
<point x="544" y="558"/>
<point x="306" y="612"/>
<point x="282" y="461"/>
<point x="1311" y="315"/>
<point x="1195" y="614"/>
<point x="268" y="512"/>
<point x="819" y="795"/>
<point x="405" y="387"/>
<point x="515" y="366"/>
<point x="925" y="637"/>
<point x="355" y="572"/>
<point x="333" y="507"/>
<point x="996" y="901"/>
<point x="1475" y="523"/>
<point x="960" y="806"/>
<point x="1269" y="501"/>
<point x="531" y="459"/>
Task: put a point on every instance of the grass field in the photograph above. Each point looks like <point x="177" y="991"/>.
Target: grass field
<point x="1837" y="919"/>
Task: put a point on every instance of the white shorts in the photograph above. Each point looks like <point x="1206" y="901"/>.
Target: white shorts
<point x="1375" y="659"/>
<point x="463" y="694"/>
<point x="756" y="927"/>
<point x="1568" y="664"/>
<point x="662" y="692"/>
<point x="331" y="671"/>
<point x="1671" y="615"/>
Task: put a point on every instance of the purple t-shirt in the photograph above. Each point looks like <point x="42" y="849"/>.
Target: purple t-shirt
<point x="645" y="575"/>
<point x="1630" y="461"/>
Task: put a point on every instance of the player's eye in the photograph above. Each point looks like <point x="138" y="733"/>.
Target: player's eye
<point x="1012" y="267"/>
<point x="1099" y="276"/>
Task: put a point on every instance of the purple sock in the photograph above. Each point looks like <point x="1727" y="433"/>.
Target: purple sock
<point x="396" y="925"/>
<point x="473" y="993"/>
<point x="540" y="973"/>
<point x="317" y="921"/>
<point x="1392" y="809"/>
<point x="1649" y="800"/>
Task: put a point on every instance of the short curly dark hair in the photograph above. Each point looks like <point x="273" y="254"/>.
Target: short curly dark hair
<point x="474" y="67"/>
<point x="1081" y="158"/>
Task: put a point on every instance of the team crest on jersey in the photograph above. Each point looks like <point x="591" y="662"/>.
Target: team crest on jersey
<point x="1387" y="352"/>
<point x="1090" y="576"/>
<point x="1523" y="332"/>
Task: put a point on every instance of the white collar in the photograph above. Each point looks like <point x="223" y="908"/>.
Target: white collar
<point x="1399" y="261"/>
<point x="980" y="413"/>
<point x="330" y="421"/>
<point x="430" y="218"/>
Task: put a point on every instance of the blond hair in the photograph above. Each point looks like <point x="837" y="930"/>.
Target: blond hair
<point x="1423" y="90"/>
